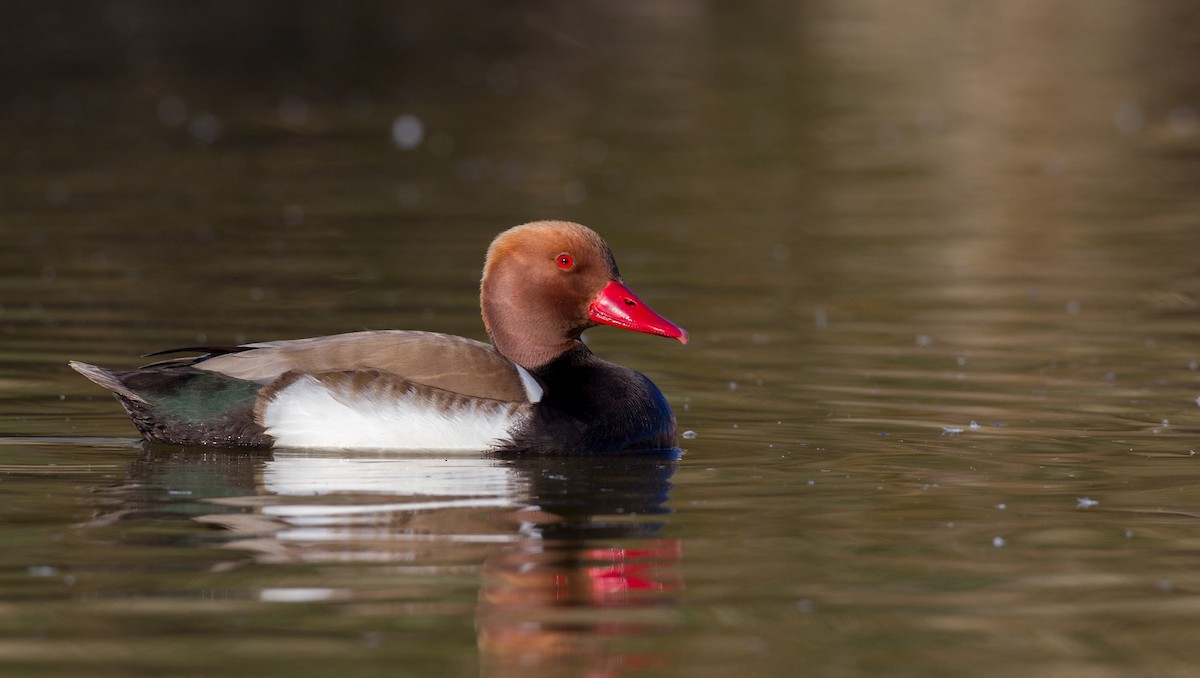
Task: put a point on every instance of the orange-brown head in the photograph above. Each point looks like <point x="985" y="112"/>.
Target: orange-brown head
<point x="546" y="282"/>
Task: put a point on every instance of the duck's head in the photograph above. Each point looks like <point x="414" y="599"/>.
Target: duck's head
<point x="546" y="282"/>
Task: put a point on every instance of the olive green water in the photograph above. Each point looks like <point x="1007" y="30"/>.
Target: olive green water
<point x="939" y="265"/>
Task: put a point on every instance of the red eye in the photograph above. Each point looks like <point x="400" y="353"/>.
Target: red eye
<point x="565" y="261"/>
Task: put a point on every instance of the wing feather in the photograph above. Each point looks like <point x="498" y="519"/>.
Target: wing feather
<point x="453" y="364"/>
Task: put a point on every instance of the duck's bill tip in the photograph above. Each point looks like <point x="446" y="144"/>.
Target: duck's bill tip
<point x="618" y="306"/>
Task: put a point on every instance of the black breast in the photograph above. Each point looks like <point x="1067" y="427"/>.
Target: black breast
<point x="592" y="406"/>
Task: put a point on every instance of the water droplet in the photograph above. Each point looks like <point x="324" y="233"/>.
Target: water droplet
<point x="689" y="435"/>
<point x="1129" y="118"/>
<point x="172" y="111"/>
<point x="888" y="135"/>
<point x="293" y="110"/>
<point x="58" y="193"/>
<point x="1053" y="164"/>
<point x="408" y="194"/>
<point x="407" y="132"/>
<point x="292" y="215"/>
<point x="998" y="542"/>
<point x="503" y="78"/>
<point x="205" y="128"/>
<point x="1182" y="120"/>
<point x="594" y="151"/>
<point x="574" y="193"/>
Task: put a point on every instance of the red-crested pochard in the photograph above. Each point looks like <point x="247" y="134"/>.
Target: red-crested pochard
<point x="536" y="388"/>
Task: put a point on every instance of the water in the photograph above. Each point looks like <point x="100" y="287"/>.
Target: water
<point x="937" y="264"/>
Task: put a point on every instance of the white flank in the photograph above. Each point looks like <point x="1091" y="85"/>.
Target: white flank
<point x="307" y="414"/>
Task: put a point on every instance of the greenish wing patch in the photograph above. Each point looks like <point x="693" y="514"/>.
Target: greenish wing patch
<point x="204" y="397"/>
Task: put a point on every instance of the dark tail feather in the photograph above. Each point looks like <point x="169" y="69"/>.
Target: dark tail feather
<point x="108" y="379"/>
<point x="184" y="406"/>
<point x="205" y="352"/>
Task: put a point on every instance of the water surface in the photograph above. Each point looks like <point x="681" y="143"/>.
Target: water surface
<point x="938" y="265"/>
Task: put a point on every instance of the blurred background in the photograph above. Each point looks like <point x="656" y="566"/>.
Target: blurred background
<point x="938" y="260"/>
<point x="797" y="148"/>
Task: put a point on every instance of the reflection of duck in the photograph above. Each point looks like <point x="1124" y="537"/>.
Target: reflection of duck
<point x="537" y="388"/>
<point x="572" y="561"/>
<point x="597" y="580"/>
<point x="576" y="611"/>
<point x="308" y="503"/>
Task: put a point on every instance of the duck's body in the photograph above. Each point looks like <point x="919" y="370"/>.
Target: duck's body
<point x="536" y="389"/>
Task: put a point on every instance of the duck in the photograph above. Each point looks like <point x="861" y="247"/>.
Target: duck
<point x="535" y="388"/>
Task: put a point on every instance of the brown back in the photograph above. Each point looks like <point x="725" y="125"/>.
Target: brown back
<point x="454" y="364"/>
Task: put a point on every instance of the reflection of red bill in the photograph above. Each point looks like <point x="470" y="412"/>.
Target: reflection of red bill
<point x="633" y="570"/>
<point x="529" y="614"/>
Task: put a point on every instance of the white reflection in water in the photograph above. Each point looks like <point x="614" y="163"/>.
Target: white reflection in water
<point x="320" y="506"/>
<point x="299" y="474"/>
